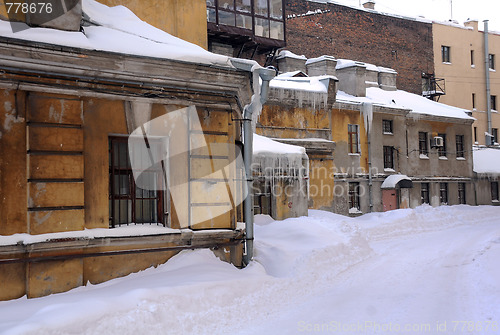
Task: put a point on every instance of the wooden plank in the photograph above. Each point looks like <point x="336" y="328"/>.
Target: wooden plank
<point x="56" y="166"/>
<point x="211" y="121"/>
<point x="208" y="168"/>
<point x="211" y="217"/>
<point x="209" y="191"/>
<point x="55" y="139"/>
<point x="55" y="109"/>
<point x="42" y="222"/>
<point x="215" y="145"/>
<point x="55" y="194"/>
<point x="13" y="189"/>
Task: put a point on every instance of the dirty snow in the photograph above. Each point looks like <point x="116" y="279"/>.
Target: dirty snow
<point x="487" y="160"/>
<point x="423" y="271"/>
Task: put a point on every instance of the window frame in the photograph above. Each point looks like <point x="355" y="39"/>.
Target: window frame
<point x="252" y="14"/>
<point x="462" y="200"/>
<point x="446" y="54"/>
<point x="354" y="195"/>
<point x="425" y="193"/>
<point x="494" y="134"/>
<point x="353" y="138"/>
<point x="157" y="213"/>
<point x="459" y="144"/>
<point x="494" y="190"/>
<point x="443" y="193"/>
<point x="388" y="152"/>
<point x="493" y="101"/>
<point x="491" y="61"/>
<point x="473" y="100"/>
<point x="442" y="150"/>
<point x="387" y="126"/>
<point x="423" y="143"/>
<point x="472" y="63"/>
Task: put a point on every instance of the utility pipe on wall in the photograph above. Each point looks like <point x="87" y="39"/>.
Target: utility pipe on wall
<point x="258" y="99"/>
<point x="489" y="138"/>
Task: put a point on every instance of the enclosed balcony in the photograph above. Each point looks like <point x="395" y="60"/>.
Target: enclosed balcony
<point x="255" y="25"/>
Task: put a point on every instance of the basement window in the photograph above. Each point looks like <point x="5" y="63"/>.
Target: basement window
<point x="128" y="203"/>
<point x="354" y="196"/>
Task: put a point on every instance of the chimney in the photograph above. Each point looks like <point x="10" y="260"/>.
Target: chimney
<point x="288" y="62"/>
<point x="387" y="79"/>
<point x="324" y="65"/>
<point x="370" y="4"/>
<point x="352" y="77"/>
<point x="472" y="23"/>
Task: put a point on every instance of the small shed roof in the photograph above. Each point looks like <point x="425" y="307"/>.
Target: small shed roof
<point x="396" y="180"/>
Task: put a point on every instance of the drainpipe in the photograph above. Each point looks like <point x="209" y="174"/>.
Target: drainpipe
<point x="489" y="139"/>
<point x="258" y="99"/>
<point x="367" y="109"/>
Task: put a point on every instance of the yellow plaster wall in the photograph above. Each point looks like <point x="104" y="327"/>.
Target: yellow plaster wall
<point x="186" y="19"/>
<point x="342" y="118"/>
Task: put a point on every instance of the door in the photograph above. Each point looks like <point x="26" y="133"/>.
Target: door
<point x="389" y="199"/>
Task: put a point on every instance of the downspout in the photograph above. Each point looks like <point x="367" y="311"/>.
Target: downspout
<point x="368" y="118"/>
<point x="259" y="97"/>
<point x="489" y="139"/>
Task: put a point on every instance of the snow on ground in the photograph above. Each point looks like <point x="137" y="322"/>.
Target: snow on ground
<point x="421" y="271"/>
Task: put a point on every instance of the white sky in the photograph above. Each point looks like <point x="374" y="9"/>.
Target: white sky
<point x="441" y="9"/>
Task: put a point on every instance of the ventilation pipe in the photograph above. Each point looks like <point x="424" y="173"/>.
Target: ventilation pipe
<point x="250" y="113"/>
<point x="489" y="138"/>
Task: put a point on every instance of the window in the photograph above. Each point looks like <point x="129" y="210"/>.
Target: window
<point x="354" y="195"/>
<point x="445" y="54"/>
<point x="473" y="100"/>
<point x="387" y="126"/>
<point x="472" y="58"/>
<point x="127" y="202"/>
<point x="422" y="143"/>
<point x="493" y="102"/>
<point x="262" y="17"/>
<point x="494" y="134"/>
<point x="475" y="135"/>
<point x="442" y="150"/>
<point x="491" y="61"/>
<point x="461" y="194"/>
<point x="443" y="193"/>
<point x="424" y="193"/>
<point x="353" y="134"/>
<point x="459" y="140"/>
<point x="494" y="191"/>
<point x="388" y="157"/>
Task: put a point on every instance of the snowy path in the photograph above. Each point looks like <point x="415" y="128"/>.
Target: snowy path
<point x="429" y="269"/>
<point x="431" y="283"/>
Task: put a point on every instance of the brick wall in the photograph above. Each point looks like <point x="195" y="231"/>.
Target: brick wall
<point x="343" y="32"/>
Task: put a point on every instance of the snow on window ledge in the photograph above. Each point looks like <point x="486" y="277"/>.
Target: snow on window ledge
<point x="447" y="63"/>
<point x="443" y="158"/>
<point x="493" y="70"/>
<point x="389" y="170"/>
<point x="354" y="154"/>
<point x="422" y="156"/>
<point x="461" y="159"/>
<point x="388" y="133"/>
<point x="355" y="210"/>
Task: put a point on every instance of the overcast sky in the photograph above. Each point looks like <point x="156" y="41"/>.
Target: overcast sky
<point x="441" y="9"/>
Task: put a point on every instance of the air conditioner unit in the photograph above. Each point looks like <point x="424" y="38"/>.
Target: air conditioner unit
<point x="437" y="141"/>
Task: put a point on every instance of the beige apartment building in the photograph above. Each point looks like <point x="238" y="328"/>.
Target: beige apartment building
<point x="460" y="59"/>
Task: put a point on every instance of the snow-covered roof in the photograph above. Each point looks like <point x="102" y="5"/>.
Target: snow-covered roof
<point x="404" y="100"/>
<point x="265" y="145"/>
<point x="486" y="160"/>
<point x="345" y="63"/>
<point x="286" y="53"/>
<point x="393" y="180"/>
<point x="121" y="31"/>
<point x="317" y="84"/>
<point x="319" y="59"/>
